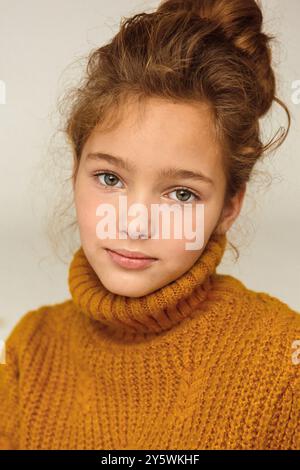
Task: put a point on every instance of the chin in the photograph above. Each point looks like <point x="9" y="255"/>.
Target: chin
<point x="128" y="291"/>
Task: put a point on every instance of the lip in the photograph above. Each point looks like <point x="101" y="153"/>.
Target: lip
<point x="132" y="254"/>
<point x="130" y="262"/>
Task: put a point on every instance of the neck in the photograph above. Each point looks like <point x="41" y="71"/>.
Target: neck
<point x="151" y="313"/>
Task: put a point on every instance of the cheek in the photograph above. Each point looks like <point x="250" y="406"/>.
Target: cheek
<point x="196" y="225"/>
<point x="212" y="211"/>
<point x="86" y="204"/>
<point x="87" y="201"/>
<point x="177" y="252"/>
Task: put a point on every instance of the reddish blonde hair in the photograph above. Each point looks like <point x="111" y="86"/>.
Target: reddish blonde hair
<point x="211" y="51"/>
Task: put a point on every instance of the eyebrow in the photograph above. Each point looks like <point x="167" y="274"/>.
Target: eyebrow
<point x="164" y="173"/>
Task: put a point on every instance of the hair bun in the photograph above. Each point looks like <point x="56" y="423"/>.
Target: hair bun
<point x="240" y="22"/>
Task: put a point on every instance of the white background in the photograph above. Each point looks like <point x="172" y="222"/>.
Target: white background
<point x="39" y="42"/>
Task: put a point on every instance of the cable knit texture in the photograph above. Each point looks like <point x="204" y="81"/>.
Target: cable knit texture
<point x="201" y="363"/>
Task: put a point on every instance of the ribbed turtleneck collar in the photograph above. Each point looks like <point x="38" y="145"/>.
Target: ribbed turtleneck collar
<point x="151" y="313"/>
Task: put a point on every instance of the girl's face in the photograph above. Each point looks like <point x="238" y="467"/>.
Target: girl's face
<point x="133" y="164"/>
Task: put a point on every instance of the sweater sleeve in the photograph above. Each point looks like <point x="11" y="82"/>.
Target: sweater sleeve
<point x="291" y="438"/>
<point x="284" y="432"/>
<point x="16" y="344"/>
<point x="9" y="399"/>
<point x="283" y="429"/>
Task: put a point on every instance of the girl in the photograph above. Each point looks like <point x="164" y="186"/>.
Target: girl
<point x="155" y="349"/>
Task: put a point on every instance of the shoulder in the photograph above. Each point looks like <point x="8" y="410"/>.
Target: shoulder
<point x="265" y="321"/>
<point x="38" y="324"/>
<point x="274" y="312"/>
<point x="265" y="308"/>
<point x="282" y="324"/>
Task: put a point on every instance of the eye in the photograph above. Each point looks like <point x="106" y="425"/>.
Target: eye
<point x="185" y="194"/>
<point x="109" y="179"/>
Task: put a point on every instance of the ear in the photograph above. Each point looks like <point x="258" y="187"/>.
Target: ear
<point x="231" y="210"/>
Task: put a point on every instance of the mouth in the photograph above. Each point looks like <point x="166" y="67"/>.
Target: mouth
<point x="132" y="260"/>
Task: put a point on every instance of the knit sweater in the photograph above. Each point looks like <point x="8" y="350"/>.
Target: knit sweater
<point x="201" y="363"/>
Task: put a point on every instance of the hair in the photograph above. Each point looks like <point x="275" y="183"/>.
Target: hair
<point x="197" y="51"/>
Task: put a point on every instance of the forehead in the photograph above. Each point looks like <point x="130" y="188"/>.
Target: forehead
<point x="156" y="132"/>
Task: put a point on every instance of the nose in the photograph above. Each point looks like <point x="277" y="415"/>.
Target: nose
<point x="135" y="217"/>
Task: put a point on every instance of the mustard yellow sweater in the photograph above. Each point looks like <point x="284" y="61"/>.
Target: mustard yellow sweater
<point x="202" y="363"/>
